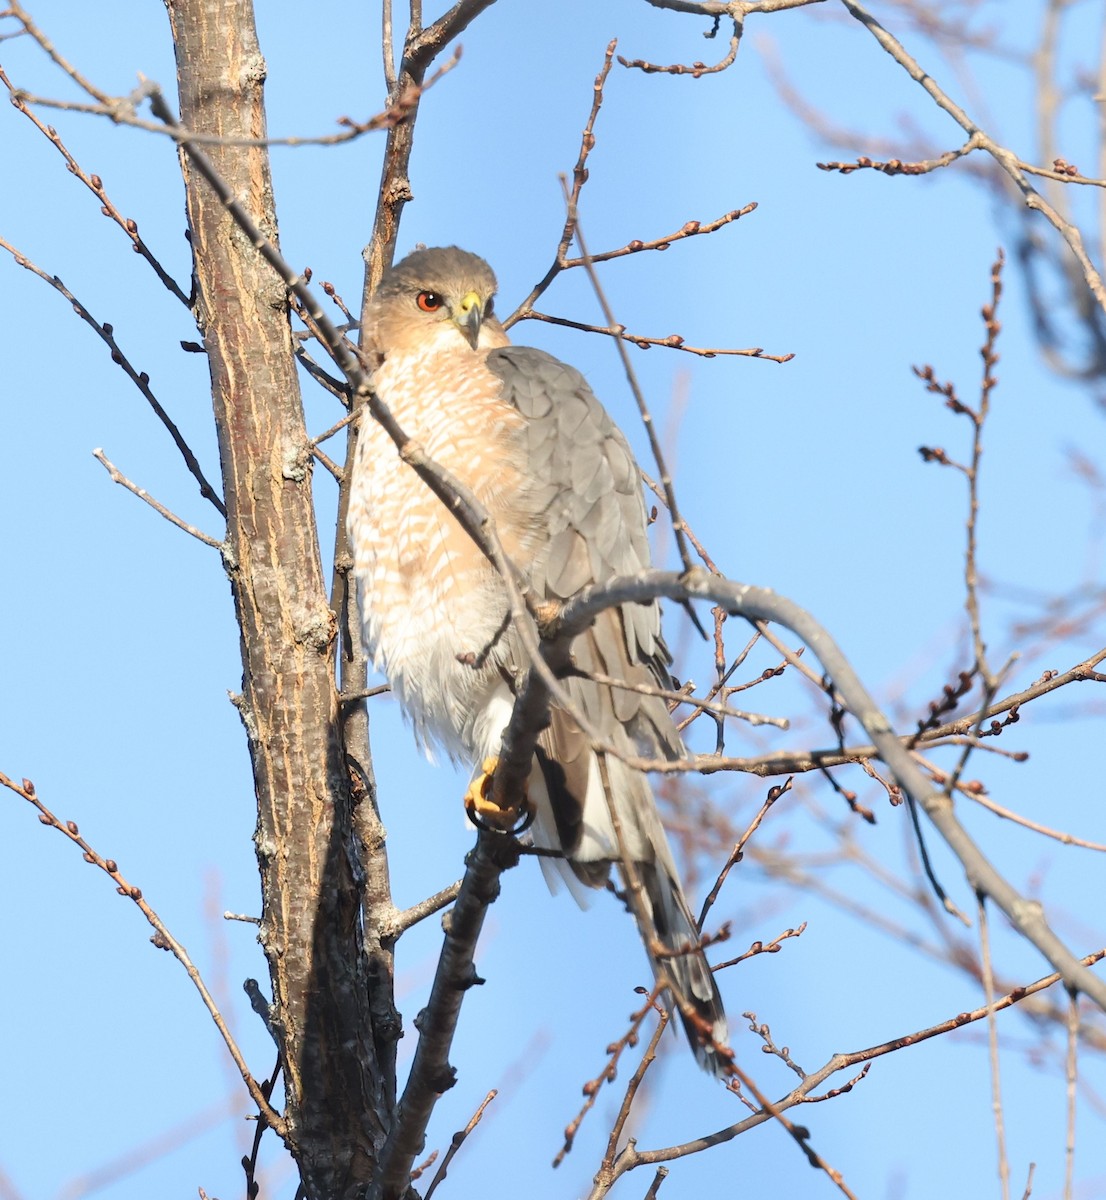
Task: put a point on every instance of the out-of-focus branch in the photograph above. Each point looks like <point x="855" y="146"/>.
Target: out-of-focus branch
<point x="1005" y="158"/>
<point x="992" y="1046"/>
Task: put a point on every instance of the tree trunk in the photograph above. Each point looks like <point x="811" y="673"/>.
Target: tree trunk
<point x="337" y="1097"/>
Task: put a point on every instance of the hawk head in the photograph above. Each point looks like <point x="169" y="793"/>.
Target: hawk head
<point x="438" y="298"/>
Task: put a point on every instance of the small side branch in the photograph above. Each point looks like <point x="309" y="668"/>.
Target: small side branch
<point x="406" y="918"/>
<point x="117" y="476"/>
<point x="457" y="1141"/>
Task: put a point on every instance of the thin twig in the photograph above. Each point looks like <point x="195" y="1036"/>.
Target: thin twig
<point x="672" y="341"/>
<point x="735" y="856"/>
<point x="21" y="15"/>
<point x="633" y="1086"/>
<point x="579" y="178"/>
<point x="759" y="947"/>
<point x="687" y="230"/>
<point x="162" y="938"/>
<point x="123" y="110"/>
<point x="678" y="698"/>
<point x="593" y="1088"/>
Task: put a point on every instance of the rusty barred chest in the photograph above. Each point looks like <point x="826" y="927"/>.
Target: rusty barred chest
<point x="428" y="596"/>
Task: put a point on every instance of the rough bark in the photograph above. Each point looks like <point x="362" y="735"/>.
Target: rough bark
<point x="336" y="1095"/>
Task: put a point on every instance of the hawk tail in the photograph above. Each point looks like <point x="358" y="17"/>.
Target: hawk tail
<point x="683" y="967"/>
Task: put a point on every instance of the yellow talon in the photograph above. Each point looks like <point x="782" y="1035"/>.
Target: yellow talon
<point x="485" y="814"/>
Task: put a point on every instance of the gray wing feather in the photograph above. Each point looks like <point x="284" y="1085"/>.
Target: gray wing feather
<point x="588" y="504"/>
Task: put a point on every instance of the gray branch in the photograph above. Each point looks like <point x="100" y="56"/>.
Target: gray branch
<point x="1027" y="916"/>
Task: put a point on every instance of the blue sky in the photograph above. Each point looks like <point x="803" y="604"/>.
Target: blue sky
<point x="121" y="647"/>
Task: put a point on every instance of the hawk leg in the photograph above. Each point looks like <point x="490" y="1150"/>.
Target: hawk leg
<point x="485" y="814"/>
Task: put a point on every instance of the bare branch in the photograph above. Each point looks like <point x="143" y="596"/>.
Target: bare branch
<point x="615" y="1050"/>
<point x="579" y="178"/>
<point x="687" y="230"/>
<point x="96" y="185"/>
<point x="431" y="1073"/>
<point x="774" y="793"/>
<point x="760" y="603"/>
<point x="631" y="1157"/>
<point x="405" y="918"/>
<point x="123" y="110"/>
<point x="139" y="378"/>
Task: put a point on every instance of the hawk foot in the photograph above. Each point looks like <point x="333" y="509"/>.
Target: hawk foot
<point x="485" y="814"/>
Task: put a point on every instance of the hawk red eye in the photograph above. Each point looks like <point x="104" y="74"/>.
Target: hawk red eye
<point x="429" y="301"/>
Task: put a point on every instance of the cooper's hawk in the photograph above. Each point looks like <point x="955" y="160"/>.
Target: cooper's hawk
<point x="525" y="433"/>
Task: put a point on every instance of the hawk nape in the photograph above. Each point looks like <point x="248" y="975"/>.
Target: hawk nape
<point x="525" y="433"/>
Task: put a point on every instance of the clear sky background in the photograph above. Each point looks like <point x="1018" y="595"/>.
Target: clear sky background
<point x="119" y="641"/>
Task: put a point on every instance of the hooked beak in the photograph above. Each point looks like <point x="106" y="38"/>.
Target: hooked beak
<point x="468" y="318"/>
